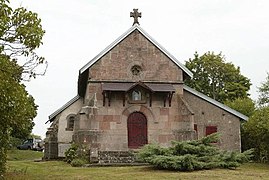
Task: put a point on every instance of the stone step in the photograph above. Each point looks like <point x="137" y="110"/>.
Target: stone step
<point x="116" y="157"/>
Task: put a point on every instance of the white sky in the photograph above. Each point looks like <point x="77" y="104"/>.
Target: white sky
<point x="78" y="30"/>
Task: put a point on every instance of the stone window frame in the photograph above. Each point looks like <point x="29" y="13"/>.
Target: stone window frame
<point x="69" y="124"/>
<point x="136" y="70"/>
<point x="143" y="95"/>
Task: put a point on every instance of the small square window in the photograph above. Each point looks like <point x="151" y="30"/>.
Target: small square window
<point x="210" y="130"/>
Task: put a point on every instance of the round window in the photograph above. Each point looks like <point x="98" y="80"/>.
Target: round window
<point x="136" y="70"/>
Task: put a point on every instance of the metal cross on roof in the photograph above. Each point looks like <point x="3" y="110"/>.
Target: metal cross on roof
<point x="135" y="15"/>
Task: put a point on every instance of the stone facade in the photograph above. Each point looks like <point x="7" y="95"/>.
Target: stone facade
<point x="116" y="64"/>
<point x="132" y="94"/>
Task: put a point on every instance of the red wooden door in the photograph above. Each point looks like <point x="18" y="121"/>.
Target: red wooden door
<point x="137" y="130"/>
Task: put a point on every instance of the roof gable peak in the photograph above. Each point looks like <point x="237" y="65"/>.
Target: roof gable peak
<point x="123" y="36"/>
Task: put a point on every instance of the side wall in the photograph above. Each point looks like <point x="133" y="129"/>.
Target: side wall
<point x="207" y="114"/>
<point x="65" y="136"/>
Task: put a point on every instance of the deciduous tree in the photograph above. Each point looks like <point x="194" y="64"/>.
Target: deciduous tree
<point x="216" y="78"/>
<point x="20" y="35"/>
<point x="245" y="106"/>
<point x="263" y="99"/>
<point x="257" y="129"/>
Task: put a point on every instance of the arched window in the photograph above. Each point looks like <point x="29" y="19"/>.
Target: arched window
<point x="136" y="95"/>
<point x="70" y="123"/>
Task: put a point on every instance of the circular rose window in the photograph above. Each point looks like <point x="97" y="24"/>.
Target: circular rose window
<point x="136" y="70"/>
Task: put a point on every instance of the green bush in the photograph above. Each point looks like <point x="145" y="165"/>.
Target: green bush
<point x="71" y="153"/>
<point x="76" y="152"/>
<point x="78" y="162"/>
<point x="192" y="155"/>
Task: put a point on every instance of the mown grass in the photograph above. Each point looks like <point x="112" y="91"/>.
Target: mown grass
<point x="21" y="166"/>
<point x="19" y="155"/>
<point x="61" y="170"/>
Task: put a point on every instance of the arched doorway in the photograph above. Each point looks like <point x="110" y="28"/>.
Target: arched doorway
<point x="137" y="130"/>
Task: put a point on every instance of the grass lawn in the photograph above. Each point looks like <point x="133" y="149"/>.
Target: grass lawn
<point x="17" y="155"/>
<point x="28" y="169"/>
<point x="61" y="170"/>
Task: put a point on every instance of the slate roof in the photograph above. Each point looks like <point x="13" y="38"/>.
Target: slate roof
<point x="61" y="109"/>
<point x="216" y="103"/>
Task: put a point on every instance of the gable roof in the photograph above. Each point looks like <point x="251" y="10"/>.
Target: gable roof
<point x="61" y="109"/>
<point x="129" y="31"/>
<point x="216" y="103"/>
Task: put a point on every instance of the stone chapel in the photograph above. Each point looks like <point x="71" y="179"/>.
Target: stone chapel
<point x="133" y="93"/>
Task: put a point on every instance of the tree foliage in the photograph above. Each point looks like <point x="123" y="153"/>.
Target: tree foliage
<point x="216" y="78"/>
<point x="263" y="99"/>
<point x="192" y="155"/>
<point x="20" y="34"/>
<point x="245" y="106"/>
<point x="257" y="130"/>
<point x="17" y="107"/>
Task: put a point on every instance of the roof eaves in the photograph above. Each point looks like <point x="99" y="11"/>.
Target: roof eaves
<point x="218" y="104"/>
<point x="58" y="111"/>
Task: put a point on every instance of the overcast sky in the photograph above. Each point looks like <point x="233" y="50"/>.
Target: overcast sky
<point x="78" y="30"/>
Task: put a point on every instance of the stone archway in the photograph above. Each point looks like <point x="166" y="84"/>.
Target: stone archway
<point x="137" y="130"/>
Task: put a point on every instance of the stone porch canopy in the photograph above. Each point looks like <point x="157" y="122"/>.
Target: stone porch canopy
<point x="167" y="89"/>
<point x="83" y="72"/>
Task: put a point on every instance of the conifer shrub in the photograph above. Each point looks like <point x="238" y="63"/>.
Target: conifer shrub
<point x="193" y="155"/>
